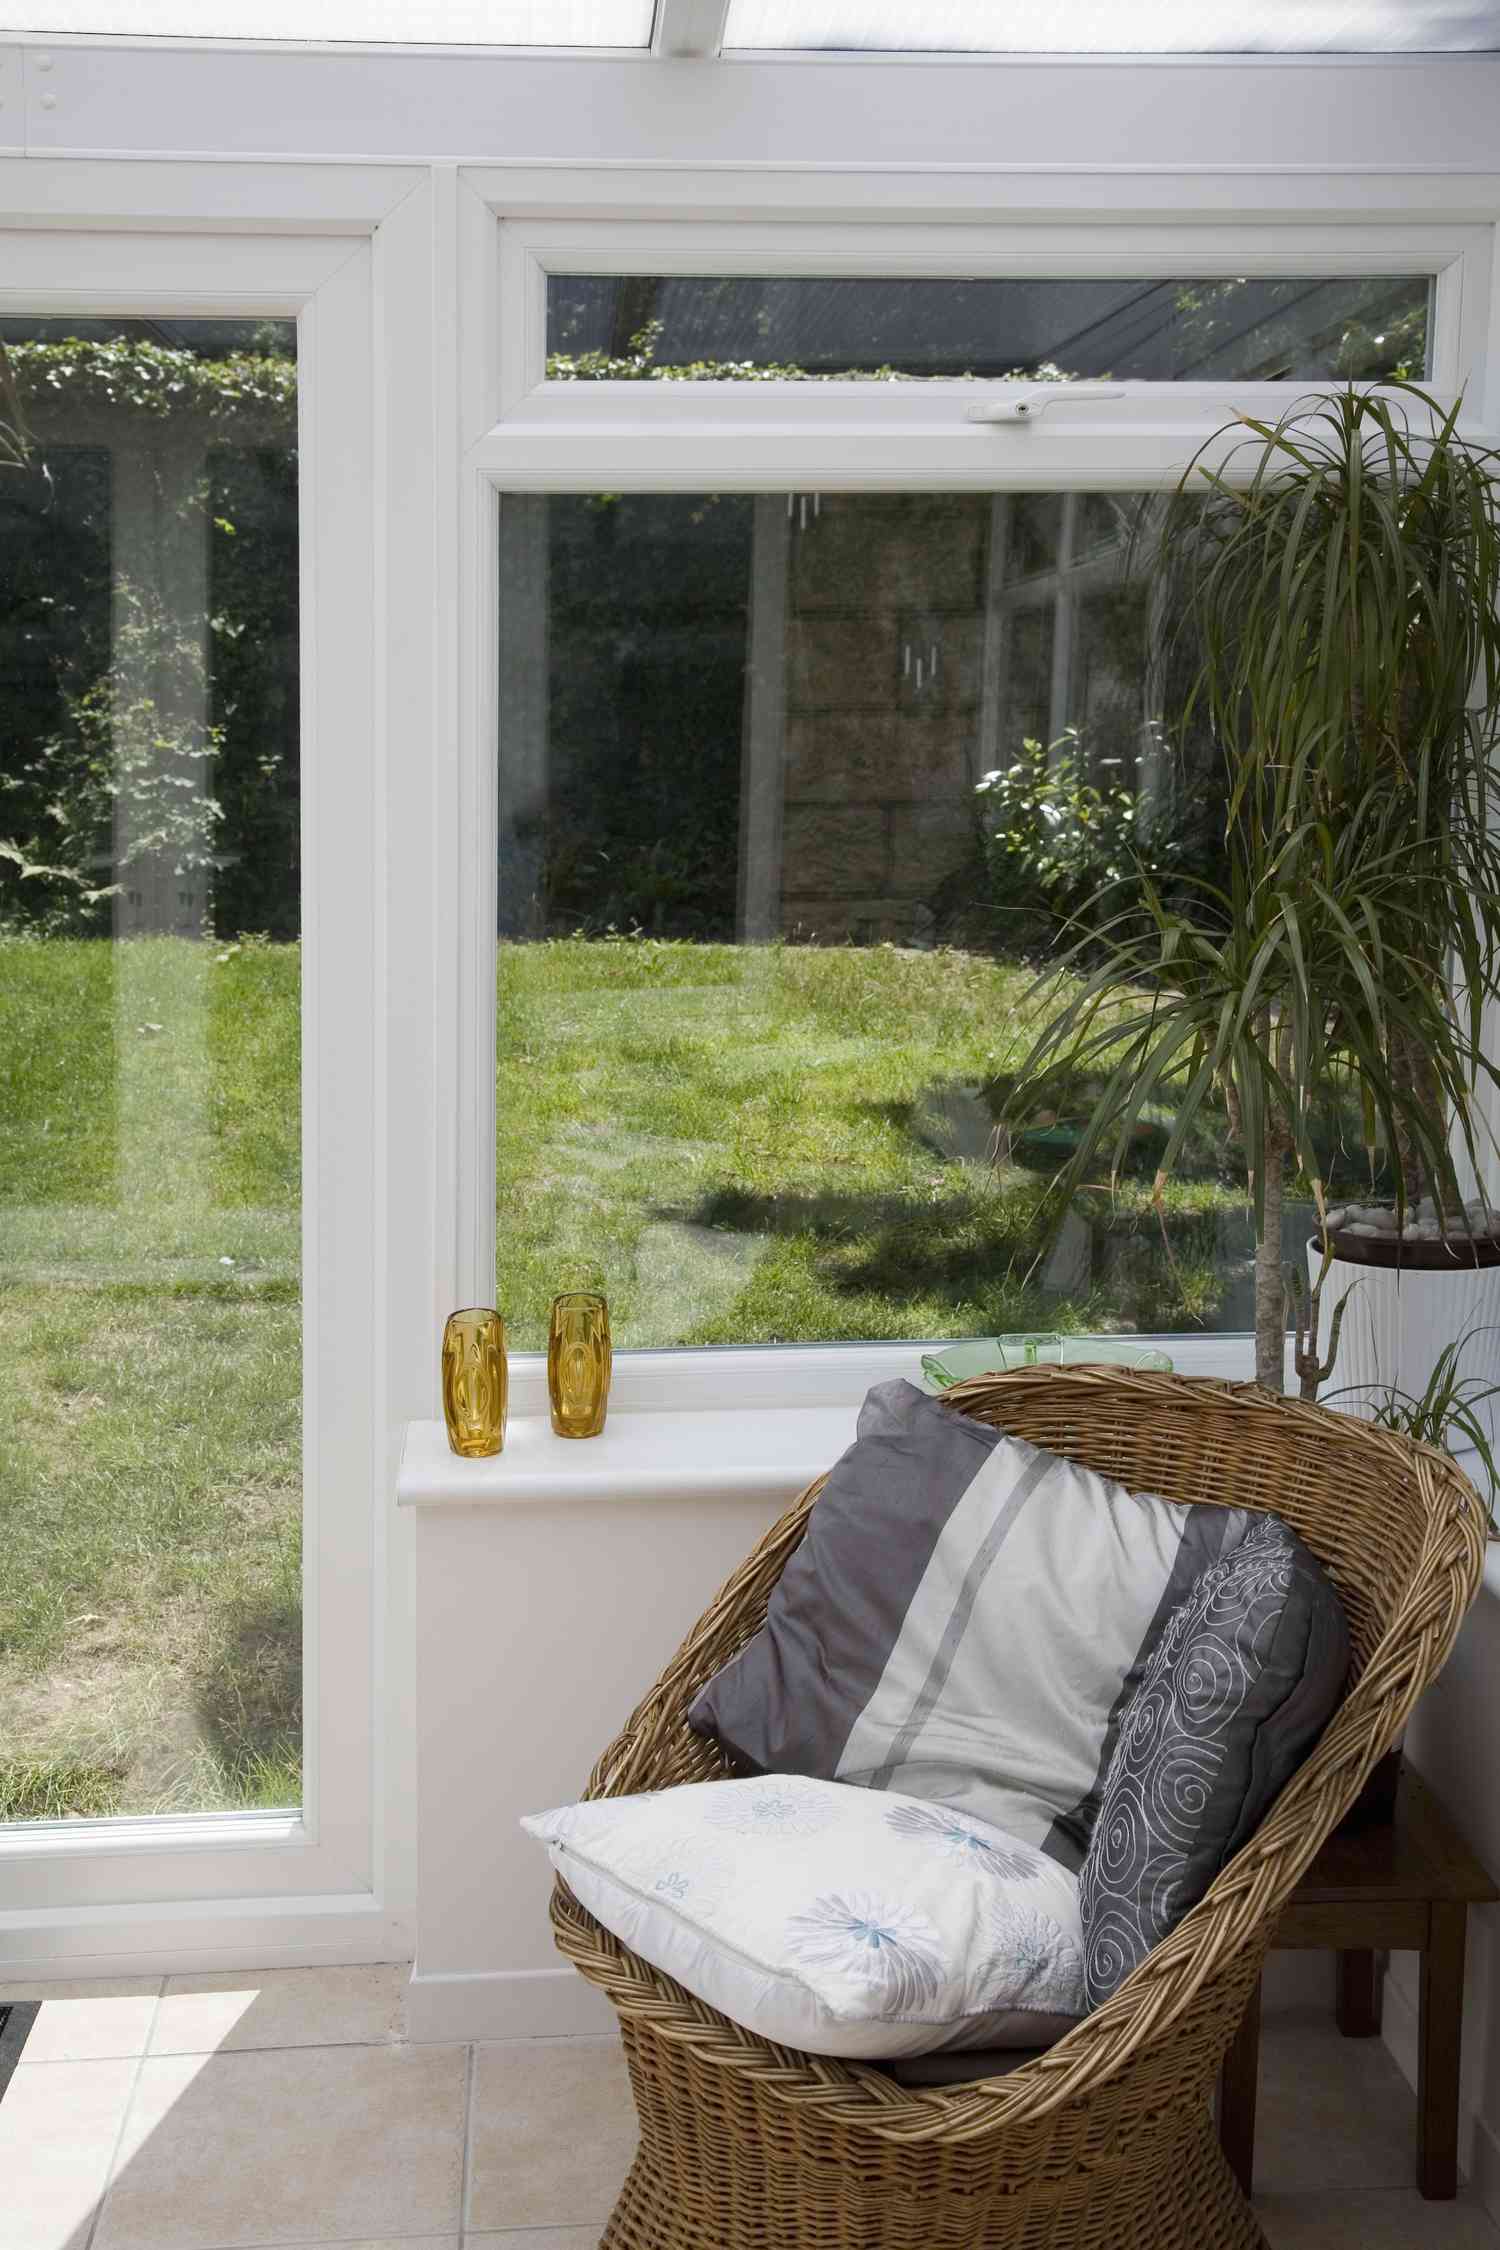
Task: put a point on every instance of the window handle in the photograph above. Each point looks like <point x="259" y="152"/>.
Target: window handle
<point x="1032" y="404"/>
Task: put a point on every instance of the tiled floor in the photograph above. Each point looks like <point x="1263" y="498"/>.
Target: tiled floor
<point x="221" y="2113"/>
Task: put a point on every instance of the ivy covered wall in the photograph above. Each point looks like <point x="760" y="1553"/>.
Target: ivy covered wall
<point x="131" y="732"/>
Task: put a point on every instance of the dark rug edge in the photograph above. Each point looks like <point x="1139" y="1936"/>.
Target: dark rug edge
<point x="16" y="2020"/>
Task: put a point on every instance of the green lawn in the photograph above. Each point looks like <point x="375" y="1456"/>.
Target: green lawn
<point x="740" y="1145"/>
<point x="150" y="1340"/>
<point x="791" y="1144"/>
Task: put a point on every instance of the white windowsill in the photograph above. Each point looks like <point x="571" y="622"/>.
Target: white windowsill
<point x="742" y="1423"/>
<point x="721" y="1453"/>
<point x="155" y="1832"/>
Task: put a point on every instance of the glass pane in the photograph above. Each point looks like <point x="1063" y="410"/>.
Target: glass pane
<point x="1118" y="26"/>
<point x="150" y="1388"/>
<point x="765" y="922"/>
<point x="697" y="328"/>
<point x="449" y="23"/>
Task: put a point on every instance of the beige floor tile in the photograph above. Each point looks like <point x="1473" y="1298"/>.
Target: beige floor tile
<point x="552" y="2136"/>
<point x="1387" y="2219"/>
<point x="59" y="2123"/>
<point x="88" y="2020"/>
<point x="1334" y="2113"/>
<point x="76" y="1988"/>
<point x="280" y="2008"/>
<point x="309" y="2144"/>
<point x="544" y="2238"/>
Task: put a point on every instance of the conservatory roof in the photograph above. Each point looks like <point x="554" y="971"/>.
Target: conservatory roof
<point x="707" y="27"/>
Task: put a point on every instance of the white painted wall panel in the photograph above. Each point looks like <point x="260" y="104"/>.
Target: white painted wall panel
<point x="538" y="1629"/>
<point x="824" y="111"/>
<point x="12" y="99"/>
<point x="1454" y="1743"/>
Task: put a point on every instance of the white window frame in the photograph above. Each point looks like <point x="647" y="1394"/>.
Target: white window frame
<point x="918" y="435"/>
<point x="526" y="435"/>
<point x="1457" y="259"/>
<point x="330" y="1881"/>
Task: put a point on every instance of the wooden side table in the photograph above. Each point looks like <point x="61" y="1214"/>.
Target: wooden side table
<point x="1406" y="1886"/>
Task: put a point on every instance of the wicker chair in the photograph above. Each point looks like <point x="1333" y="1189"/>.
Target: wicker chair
<point x="1106" y="2141"/>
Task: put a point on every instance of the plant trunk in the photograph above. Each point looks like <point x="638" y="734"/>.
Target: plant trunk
<point x="1412" y="1068"/>
<point x="1270" y="1283"/>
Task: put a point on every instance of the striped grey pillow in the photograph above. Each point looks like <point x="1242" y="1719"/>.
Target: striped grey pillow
<point x="965" y="1621"/>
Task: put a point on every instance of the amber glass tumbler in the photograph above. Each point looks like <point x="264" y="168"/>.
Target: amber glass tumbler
<point x="578" y="1363"/>
<point x="475" y="1381"/>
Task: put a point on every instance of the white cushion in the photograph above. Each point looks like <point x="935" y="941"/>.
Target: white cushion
<point x="840" y="1920"/>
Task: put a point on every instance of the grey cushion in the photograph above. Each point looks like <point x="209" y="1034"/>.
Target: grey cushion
<point x="965" y="1621"/>
<point x="977" y="2063"/>
<point x="1240" y="1685"/>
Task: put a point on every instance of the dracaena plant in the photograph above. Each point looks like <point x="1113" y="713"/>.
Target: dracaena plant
<point x="1335" y="579"/>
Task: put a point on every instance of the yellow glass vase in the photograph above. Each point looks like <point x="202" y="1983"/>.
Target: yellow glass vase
<point x="579" y="1359"/>
<point x="475" y="1382"/>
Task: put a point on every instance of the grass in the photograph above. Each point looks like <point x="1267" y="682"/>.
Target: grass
<point x="56" y="1788"/>
<point x="791" y="1144"/>
<point x="150" y="1370"/>
<point x="764" y="1145"/>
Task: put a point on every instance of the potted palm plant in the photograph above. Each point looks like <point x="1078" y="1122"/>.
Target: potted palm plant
<point x="1336" y="577"/>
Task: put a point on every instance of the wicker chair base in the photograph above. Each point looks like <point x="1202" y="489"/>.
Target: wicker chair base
<point x="738" y="2195"/>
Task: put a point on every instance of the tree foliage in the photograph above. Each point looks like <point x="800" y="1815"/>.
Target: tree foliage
<point x="54" y="382"/>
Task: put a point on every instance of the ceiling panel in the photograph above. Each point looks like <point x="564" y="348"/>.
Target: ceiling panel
<point x="1117" y="26"/>
<point x="448" y="23"/>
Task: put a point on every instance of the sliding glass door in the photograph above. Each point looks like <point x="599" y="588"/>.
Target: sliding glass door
<point x="188" y="876"/>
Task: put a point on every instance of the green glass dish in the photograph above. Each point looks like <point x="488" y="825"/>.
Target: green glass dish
<point x="998" y="1355"/>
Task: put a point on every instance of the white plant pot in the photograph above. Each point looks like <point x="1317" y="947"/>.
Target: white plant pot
<point x="1398" y="1322"/>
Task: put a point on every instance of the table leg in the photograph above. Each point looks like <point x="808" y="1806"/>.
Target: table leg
<point x="1239" y="2086"/>
<point x="1440" y="2035"/>
<point x="1358" y="2004"/>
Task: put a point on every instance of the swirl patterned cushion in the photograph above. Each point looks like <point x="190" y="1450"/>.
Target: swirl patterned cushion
<point x="830" y="1918"/>
<point x="1243" y="1679"/>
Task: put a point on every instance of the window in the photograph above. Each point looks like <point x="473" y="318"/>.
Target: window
<point x="796" y="791"/>
<point x="481" y="23"/>
<point x="696" y="327"/>
<point x="651" y="325"/>
<point x="150" y="1106"/>
<point x="828" y="712"/>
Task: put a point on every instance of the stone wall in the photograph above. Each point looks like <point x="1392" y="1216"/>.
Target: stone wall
<point x="880" y="752"/>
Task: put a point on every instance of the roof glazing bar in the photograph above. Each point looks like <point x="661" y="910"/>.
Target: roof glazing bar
<point x="689" y="29"/>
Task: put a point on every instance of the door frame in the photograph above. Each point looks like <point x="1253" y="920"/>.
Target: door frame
<point x="333" y="1881"/>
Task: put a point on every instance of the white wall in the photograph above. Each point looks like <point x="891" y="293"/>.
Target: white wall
<point x="1454" y="1741"/>
<point x="538" y="1629"/>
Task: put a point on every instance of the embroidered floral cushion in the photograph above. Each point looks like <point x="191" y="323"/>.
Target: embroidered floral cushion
<point x="833" y="1919"/>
